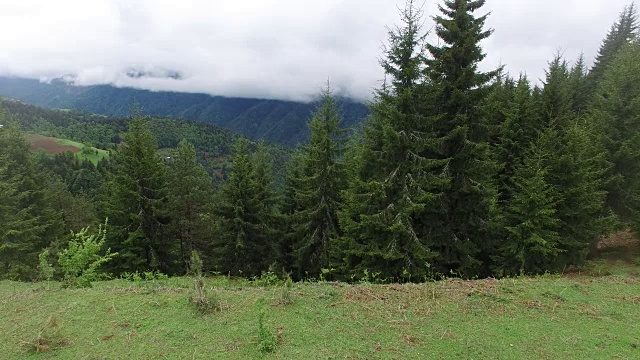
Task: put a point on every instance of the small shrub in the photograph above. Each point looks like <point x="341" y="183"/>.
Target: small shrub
<point x="44" y="267"/>
<point x="80" y="260"/>
<point x="267" y="340"/>
<point x="48" y="338"/>
<point x="267" y="278"/>
<point x="206" y="303"/>
<point x="285" y="297"/>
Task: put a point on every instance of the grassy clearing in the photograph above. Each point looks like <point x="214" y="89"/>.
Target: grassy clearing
<point x="575" y="316"/>
<point x="53" y="145"/>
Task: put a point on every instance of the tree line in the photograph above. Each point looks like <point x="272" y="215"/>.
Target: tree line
<point x="455" y="172"/>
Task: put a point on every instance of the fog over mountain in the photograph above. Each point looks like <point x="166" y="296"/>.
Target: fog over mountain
<point x="284" y="49"/>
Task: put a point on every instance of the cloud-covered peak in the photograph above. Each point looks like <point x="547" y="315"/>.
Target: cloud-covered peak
<point x="279" y="49"/>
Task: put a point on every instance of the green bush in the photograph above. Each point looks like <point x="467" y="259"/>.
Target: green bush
<point x="81" y="259"/>
<point x="44" y="267"/>
<point x="267" y="340"/>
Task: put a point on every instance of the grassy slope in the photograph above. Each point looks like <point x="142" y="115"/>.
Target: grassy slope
<point x="93" y="157"/>
<point x="577" y="316"/>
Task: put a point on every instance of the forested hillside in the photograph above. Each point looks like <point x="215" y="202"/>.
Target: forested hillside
<point x="282" y="122"/>
<point x="456" y="172"/>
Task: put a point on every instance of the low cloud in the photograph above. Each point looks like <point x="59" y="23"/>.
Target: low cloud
<point x="278" y="49"/>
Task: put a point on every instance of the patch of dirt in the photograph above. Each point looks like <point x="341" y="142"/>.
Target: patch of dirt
<point x="49" y="145"/>
<point x="622" y="246"/>
<point x="624" y="239"/>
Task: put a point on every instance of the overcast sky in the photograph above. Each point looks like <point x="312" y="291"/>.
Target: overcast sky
<point x="282" y="49"/>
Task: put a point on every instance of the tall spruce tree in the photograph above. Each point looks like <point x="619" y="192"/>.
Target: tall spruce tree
<point x="575" y="168"/>
<point x="316" y="190"/>
<point x="579" y="86"/>
<point x="517" y="133"/>
<point x="531" y="244"/>
<point x="460" y="91"/>
<point x="620" y="34"/>
<point x="136" y="205"/>
<point x="189" y="197"/>
<point x="243" y="245"/>
<point x="29" y="223"/>
<point x="384" y="219"/>
<point x="615" y="114"/>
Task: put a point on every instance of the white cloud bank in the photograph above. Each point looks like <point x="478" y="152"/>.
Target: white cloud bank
<point x="280" y="49"/>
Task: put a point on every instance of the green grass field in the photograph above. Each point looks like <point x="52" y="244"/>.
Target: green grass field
<point x="592" y="313"/>
<point x="54" y="145"/>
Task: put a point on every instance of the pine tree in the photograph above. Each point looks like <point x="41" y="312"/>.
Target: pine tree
<point x="384" y="217"/>
<point x="243" y="245"/>
<point x="556" y="107"/>
<point x="532" y="237"/>
<point x="575" y="168"/>
<point x="517" y="133"/>
<point x="189" y="197"/>
<point x="460" y="92"/>
<point x="615" y="116"/>
<point x="620" y="34"/>
<point x="316" y="187"/>
<point x="580" y="86"/>
<point x="136" y="205"/>
<point x="29" y="224"/>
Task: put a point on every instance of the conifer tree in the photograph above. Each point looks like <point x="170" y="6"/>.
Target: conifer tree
<point x="460" y="91"/>
<point x="616" y="117"/>
<point x="189" y="197"/>
<point x="517" y="133"/>
<point x="242" y="244"/>
<point x="532" y="237"/>
<point x="384" y="218"/>
<point x="556" y="106"/>
<point x="620" y="34"/>
<point x="136" y="205"/>
<point x="29" y="223"/>
<point x="579" y="86"/>
<point x="316" y="190"/>
<point x="575" y="168"/>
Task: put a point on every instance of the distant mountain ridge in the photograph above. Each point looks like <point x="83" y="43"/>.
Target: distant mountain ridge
<point x="276" y="121"/>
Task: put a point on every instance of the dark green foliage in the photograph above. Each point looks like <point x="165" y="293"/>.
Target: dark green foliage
<point x="189" y="196"/>
<point x="517" y="133"/>
<point x="136" y="205"/>
<point x="531" y="243"/>
<point x="314" y="187"/>
<point x="616" y="117"/>
<point x="29" y="223"/>
<point x="384" y="218"/>
<point x="580" y="86"/>
<point x="621" y="33"/>
<point x="459" y="91"/>
<point x="245" y="214"/>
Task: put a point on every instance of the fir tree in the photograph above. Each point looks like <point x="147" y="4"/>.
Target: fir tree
<point x="29" y="224"/>
<point x="384" y="224"/>
<point x="620" y="34"/>
<point x="556" y="106"/>
<point x="136" y="204"/>
<point x="517" y="133"/>
<point x="460" y="92"/>
<point x="242" y="244"/>
<point x="615" y="116"/>
<point x="532" y="237"/>
<point x="189" y="197"/>
<point x="316" y="190"/>
<point x="580" y="86"/>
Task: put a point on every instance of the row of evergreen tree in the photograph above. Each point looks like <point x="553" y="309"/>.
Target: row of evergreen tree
<point x="455" y="171"/>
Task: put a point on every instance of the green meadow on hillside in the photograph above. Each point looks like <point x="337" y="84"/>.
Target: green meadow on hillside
<point x="587" y="313"/>
<point x="52" y="145"/>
